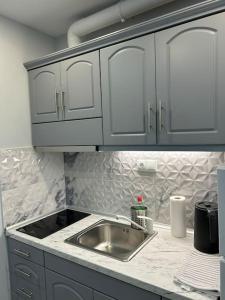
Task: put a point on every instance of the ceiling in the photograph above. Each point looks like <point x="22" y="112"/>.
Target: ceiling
<point x="52" y="17"/>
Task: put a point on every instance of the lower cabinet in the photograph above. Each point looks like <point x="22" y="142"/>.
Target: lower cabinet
<point x="60" y="287"/>
<point x="27" y="271"/>
<point x="23" y="290"/>
<point x="100" y="296"/>
<point x="43" y="276"/>
<point x="103" y="287"/>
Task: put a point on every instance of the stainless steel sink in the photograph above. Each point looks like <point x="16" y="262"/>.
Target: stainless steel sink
<point x="113" y="239"/>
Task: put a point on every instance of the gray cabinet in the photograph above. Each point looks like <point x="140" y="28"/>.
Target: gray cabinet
<point x="68" y="133"/>
<point x="26" y="271"/>
<point x="44" y="93"/>
<point x="62" y="279"/>
<point x="103" y="286"/>
<point x="165" y="88"/>
<point x="190" y="64"/>
<point x="66" y="105"/>
<point x="60" y="287"/>
<point x="100" y="296"/>
<point x="24" y="290"/>
<point x="81" y="87"/>
<point x="128" y="92"/>
<point x="26" y="251"/>
<point x="66" y="90"/>
<point x="22" y="269"/>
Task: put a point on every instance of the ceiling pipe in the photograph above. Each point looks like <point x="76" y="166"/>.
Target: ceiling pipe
<point x="116" y="13"/>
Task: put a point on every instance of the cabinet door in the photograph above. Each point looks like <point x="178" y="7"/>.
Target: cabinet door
<point x="44" y="93"/>
<point x="23" y="269"/>
<point x="23" y="289"/>
<point x="81" y="87"/>
<point x="190" y="82"/>
<point x="100" y="296"/>
<point x="60" y="287"/>
<point x="128" y="92"/>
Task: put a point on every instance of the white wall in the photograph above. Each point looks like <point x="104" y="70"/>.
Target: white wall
<point x="18" y="44"/>
<point x="61" y="42"/>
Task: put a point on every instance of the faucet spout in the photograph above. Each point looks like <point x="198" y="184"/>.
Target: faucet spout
<point x="120" y="217"/>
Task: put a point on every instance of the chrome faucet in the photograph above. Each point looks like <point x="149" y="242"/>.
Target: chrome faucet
<point x="149" y="223"/>
<point x="148" y="229"/>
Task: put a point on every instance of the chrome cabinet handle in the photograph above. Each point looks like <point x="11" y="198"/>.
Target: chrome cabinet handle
<point x="57" y="102"/>
<point x="161" y="108"/>
<point x="63" y="106"/>
<point x="25" y="293"/>
<point x="23" y="273"/>
<point x="17" y="251"/>
<point x="150" y="110"/>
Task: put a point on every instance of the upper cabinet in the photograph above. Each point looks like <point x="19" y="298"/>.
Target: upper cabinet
<point x="166" y="88"/>
<point x="81" y="87"/>
<point x="190" y="64"/>
<point x="128" y="92"/>
<point x="68" y="90"/>
<point x="44" y="93"/>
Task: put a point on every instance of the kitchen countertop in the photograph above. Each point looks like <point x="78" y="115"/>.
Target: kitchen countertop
<point x="151" y="269"/>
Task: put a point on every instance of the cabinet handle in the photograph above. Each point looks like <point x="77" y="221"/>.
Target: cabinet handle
<point x="17" y="251"/>
<point x="150" y="110"/>
<point x="23" y="273"/>
<point x="57" y="102"/>
<point x="25" y="293"/>
<point x="161" y="108"/>
<point x="63" y="103"/>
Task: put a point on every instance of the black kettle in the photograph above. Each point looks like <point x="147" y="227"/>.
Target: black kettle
<point x="206" y="236"/>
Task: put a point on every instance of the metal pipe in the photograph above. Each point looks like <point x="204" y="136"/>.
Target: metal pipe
<point x="114" y="14"/>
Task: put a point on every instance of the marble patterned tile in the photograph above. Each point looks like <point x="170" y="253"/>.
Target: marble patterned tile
<point x="109" y="181"/>
<point x="32" y="183"/>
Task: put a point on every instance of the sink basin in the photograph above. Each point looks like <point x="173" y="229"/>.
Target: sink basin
<point x="113" y="239"/>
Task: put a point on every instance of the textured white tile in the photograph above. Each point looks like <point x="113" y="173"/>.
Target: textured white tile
<point x="192" y="174"/>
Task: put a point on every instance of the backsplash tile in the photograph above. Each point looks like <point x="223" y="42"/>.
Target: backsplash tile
<point x="107" y="182"/>
<point x="32" y="183"/>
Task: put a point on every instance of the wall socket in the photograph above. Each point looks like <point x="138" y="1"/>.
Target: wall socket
<point x="147" y="165"/>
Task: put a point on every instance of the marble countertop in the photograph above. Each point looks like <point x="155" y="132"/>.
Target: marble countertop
<point x="152" y="268"/>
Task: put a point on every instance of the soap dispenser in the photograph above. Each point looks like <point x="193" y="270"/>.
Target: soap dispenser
<point x="139" y="214"/>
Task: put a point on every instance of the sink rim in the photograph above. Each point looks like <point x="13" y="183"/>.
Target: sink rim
<point x="148" y="238"/>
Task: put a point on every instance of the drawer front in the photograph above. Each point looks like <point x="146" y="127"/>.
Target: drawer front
<point x="26" y="251"/>
<point x="20" y="268"/>
<point x="23" y="295"/>
<point x="104" y="284"/>
<point x="68" y="133"/>
<point x="23" y="290"/>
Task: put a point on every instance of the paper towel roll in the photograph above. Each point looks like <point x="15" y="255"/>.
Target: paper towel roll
<point x="178" y="216"/>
